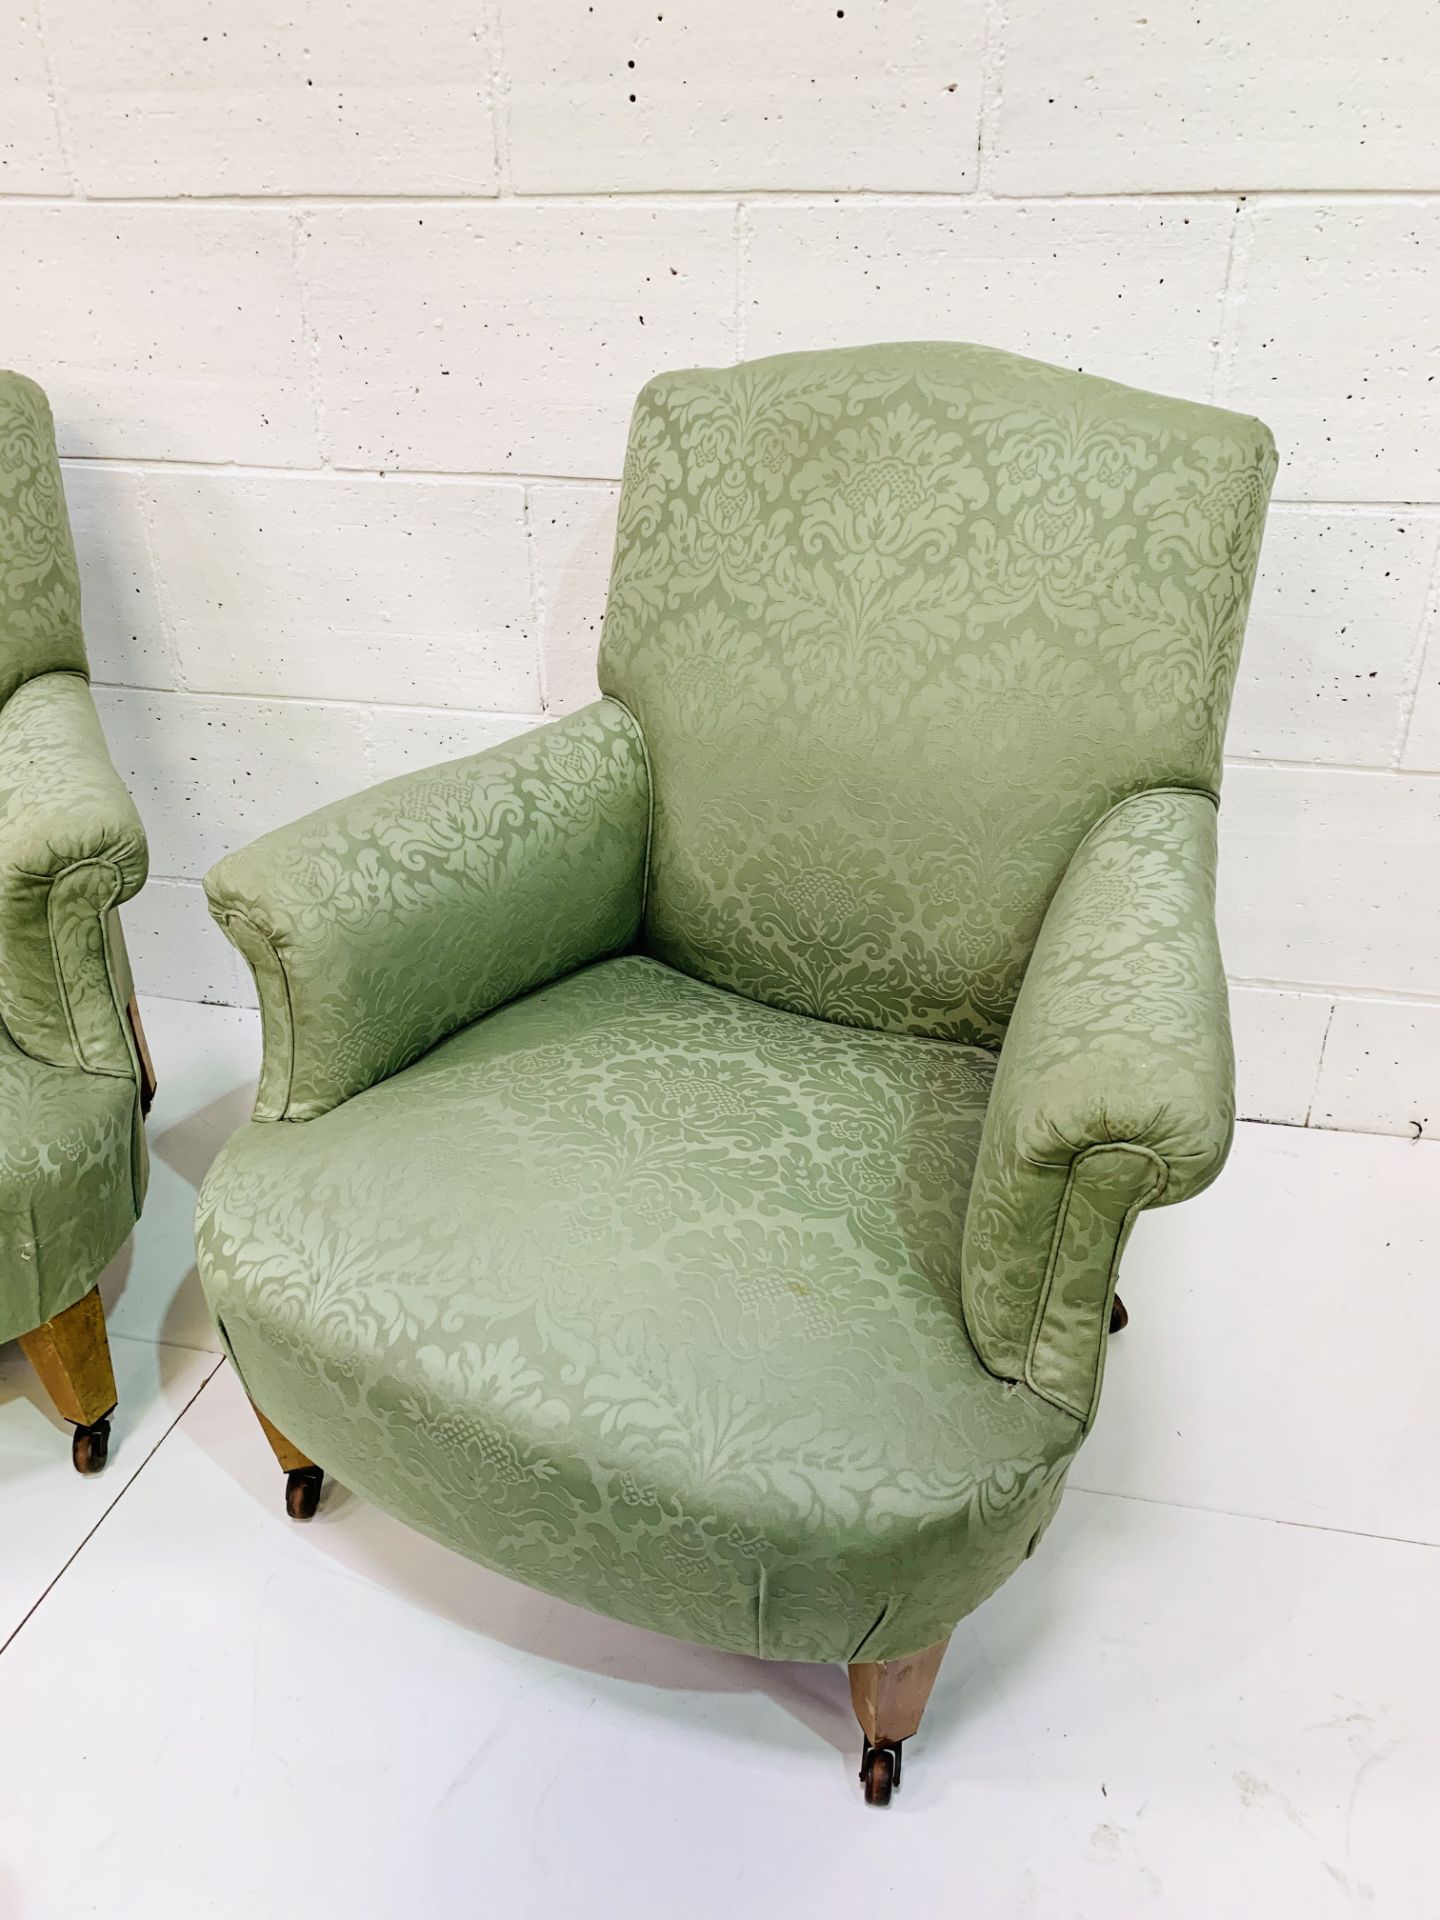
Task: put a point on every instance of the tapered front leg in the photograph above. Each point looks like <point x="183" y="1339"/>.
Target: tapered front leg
<point x="889" y="1698"/>
<point x="303" y="1479"/>
<point x="71" y="1356"/>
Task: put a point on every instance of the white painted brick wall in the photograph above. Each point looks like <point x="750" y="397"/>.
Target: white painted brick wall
<point x="1279" y="1039"/>
<point x="395" y="589"/>
<point x="120" y="589"/>
<point x="209" y="774"/>
<point x="1242" y="94"/>
<point x="161" y="332"/>
<point x="1330" y="653"/>
<point x="188" y="97"/>
<point x="1330" y="877"/>
<point x="572" y="531"/>
<point x="509" y="337"/>
<point x="1382" y="1061"/>
<point x="1337" y="341"/>
<point x="1130" y="289"/>
<point x="31" y="157"/>
<point x="342" y="312"/>
<point x="1421" y="750"/>
<point x="633" y="96"/>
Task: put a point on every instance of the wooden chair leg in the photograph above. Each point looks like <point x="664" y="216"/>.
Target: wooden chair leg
<point x="1119" y="1315"/>
<point x="889" y="1698"/>
<point x="147" y="1065"/>
<point x="303" y="1479"/>
<point x="71" y="1356"/>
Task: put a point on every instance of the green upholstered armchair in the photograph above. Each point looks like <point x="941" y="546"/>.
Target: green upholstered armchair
<point x="695" y="1141"/>
<point x="74" y="1072"/>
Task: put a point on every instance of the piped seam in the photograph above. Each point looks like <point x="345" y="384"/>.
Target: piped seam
<point x="117" y="891"/>
<point x="226" y="915"/>
<point x="644" y="746"/>
<point x="1057" y="1237"/>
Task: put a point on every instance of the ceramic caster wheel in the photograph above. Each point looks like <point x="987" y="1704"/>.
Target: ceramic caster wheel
<point x="90" y="1446"/>
<point x="880" y="1772"/>
<point x="1119" y="1317"/>
<point x="302" y="1492"/>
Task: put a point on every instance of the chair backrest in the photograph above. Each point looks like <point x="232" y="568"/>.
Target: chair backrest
<point x="39" y="584"/>
<point x="899" y="624"/>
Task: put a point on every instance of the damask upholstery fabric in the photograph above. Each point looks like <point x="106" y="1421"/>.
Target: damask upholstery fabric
<point x="380" y="924"/>
<point x="72" y="1154"/>
<point x="899" y="624"/>
<point x="1114" y="1092"/>
<point x="39" y="581"/>
<point x="649" y="1295"/>
<point x="71" y="1182"/>
<point x="72" y="849"/>
<point x="660" y="1283"/>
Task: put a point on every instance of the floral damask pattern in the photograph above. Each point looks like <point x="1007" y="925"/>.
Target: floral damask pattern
<point x="72" y="1154"/>
<point x="730" y="1285"/>
<point x="71" y="849"/>
<point x="501" y="870"/>
<point x="39" y="581"/>
<point x="887" y="494"/>
<point x="69" y="1170"/>
<point x="648" y="1295"/>
<point x="889" y="534"/>
<point x="1114" y="1091"/>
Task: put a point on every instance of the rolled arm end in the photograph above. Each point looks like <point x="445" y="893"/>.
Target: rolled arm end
<point x="61" y="801"/>
<point x="379" y="925"/>
<point x="72" y="849"/>
<point x="1114" y="1092"/>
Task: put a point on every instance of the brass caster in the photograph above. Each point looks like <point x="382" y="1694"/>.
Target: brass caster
<point x="302" y="1492"/>
<point x="880" y="1773"/>
<point x="90" y="1445"/>
<point x="1119" y="1317"/>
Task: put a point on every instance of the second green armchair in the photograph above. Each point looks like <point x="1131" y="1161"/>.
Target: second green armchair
<point x="696" y="1142"/>
<point x="74" y="1074"/>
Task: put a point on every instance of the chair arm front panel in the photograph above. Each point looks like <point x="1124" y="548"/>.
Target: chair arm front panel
<point x="72" y="849"/>
<point x="377" y="926"/>
<point x="1114" y="1092"/>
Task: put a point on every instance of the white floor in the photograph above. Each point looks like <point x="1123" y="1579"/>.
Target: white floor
<point x="1215" y="1691"/>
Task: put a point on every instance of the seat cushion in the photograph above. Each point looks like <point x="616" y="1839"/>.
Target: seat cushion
<point x="67" y="1183"/>
<point x="648" y="1295"/>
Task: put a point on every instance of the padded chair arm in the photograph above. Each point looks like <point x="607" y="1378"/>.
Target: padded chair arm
<point x="71" y="850"/>
<point x="1114" y="1092"/>
<point x="379" y="925"/>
